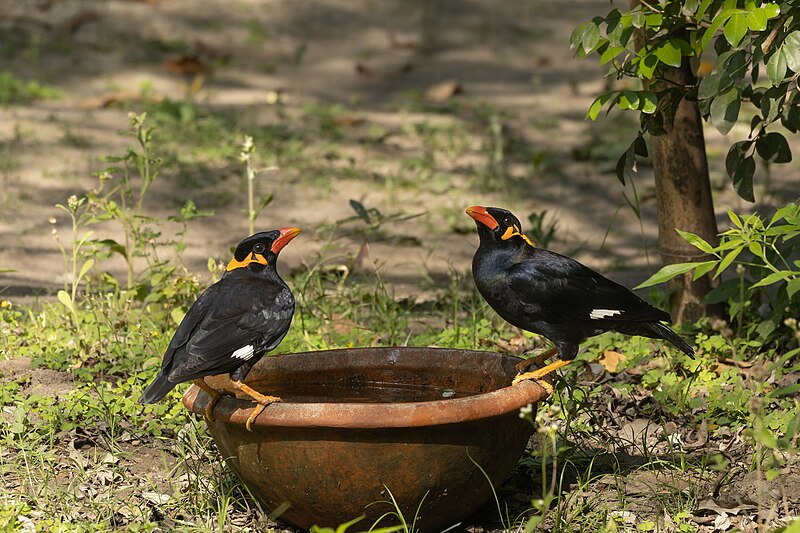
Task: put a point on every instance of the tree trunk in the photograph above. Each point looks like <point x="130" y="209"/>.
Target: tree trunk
<point x="683" y="192"/>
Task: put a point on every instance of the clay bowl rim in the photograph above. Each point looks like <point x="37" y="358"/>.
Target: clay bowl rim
<point x="356" y="415"/>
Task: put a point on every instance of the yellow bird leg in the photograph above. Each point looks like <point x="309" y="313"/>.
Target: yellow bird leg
<point x="261" y="399"/>
<point x="213" y="396"/>
<point x="536" y="360"/>
<point x="536" y="375"/>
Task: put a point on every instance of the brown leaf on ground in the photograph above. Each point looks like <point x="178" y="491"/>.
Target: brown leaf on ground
<point x="405" y="42"/>
<point x="116" y="97"/>
<point x="348" y="121"/>
<point x="655" y="362"/>
<point x="442" y="91"/>
<point x="611" y="360"/>
<point x="186" y="64"/>
<point x="516" y="345"/>
<point x="342" y="325"/>
<point x="380" y="71"/>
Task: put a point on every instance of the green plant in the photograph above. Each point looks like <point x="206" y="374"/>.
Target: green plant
<point x="760" y="252"/>
<point x="16" y="91"/>
<point x="76" y="262"/>
<point x="541" y="233"/>
<point x="749" y="38"/>
<point x="124" y="202"/>
<point x="246" y="157"/>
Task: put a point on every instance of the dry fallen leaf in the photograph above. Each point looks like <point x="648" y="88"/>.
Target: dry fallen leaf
<point x="116" y="97"/>
<point x="378" y="72"/>
<point x="611" y="360"/>
<point x="407" y="42"/>
<point x="442" y="91"/>
<point x="348" y="120"/>
<point x="186" y="64"/>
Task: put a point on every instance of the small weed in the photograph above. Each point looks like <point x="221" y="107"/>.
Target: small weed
<point x="16" y="91"/>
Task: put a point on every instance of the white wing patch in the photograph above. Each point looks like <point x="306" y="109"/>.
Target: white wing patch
<point x="597" y="314"/>
<point x="244" y="353"/>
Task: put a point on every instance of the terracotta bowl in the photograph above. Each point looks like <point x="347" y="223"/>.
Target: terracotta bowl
<point x="356" y="424"/>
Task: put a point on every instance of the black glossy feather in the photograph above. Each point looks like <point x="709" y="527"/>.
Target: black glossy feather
<point x="555" y="296"/>
<point x="230" y="326"/>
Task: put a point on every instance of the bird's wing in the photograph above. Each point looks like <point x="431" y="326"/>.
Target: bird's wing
<point x="245" y="318"/>
<point x="193" y="317"/>
<point x="558" y="287"/>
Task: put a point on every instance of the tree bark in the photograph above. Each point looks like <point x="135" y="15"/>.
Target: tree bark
<point x="683" y="192"/>
<point x="683" y="189"/>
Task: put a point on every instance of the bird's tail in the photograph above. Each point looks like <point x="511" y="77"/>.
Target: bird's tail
<point x="663" y="332"/>
<point x="157" y="389"/>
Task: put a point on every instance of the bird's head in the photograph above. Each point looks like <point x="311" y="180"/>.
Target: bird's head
<point x="261" y="249"/>
<point x="496" y="225"/>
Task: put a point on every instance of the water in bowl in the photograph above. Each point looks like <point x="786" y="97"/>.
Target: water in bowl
<point x="358" y="392"/>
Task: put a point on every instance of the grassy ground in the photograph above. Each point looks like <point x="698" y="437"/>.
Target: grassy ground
<point x="637" y="438"/>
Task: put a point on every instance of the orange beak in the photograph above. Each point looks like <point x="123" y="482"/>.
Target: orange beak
<point x="480" y="214"/>
<point x="287" y="234"/>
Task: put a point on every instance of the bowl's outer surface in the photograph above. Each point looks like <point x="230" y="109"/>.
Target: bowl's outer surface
<point x="330" y="461"/>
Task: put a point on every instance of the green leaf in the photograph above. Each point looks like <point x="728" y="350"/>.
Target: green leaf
<point x="670" y="53"/>
<point x="776" y="67"/>
<point x="85" y="268"/>
<point x="725" y="110"/>
<point x="757" y="19"/>
<point x="791" y="50"/>
<point x="711" y="31"/>
<point x="597" y="105"/>
<point x="696" y="241"/>
<point x="703" y="268"/>
<point x="715" y="83"/>
<point x="361" y="211"/>
<point x="743" y="179"/>
<point x="722" y="292"/>
<point x="667" y="273"/>
<point x="773" y="278"/>
<point x="265" y="201"/>
<point x="654" y="20"/>
<point x="786" y="391"/>
<point x="647" y="102"/>
<point x="647" y="66"/>
<point x="114" y="246"/>
<point x="610" y="53"/>
<point x="740" y="168"/>
<point x="64" y="297"/>
<point x="585" y="37"/>
<point x="628" y="100"/>
<point x="774" y="148"/>
<point x="637" y="18"/>
<point x="765" y="437"/>
<point x="727" y="260"/>
<point x="702" y="9"/>
<point x="772" y="9"/>
<point x="734" y="217"/>
<point x="626" y="164"/>
<point x="756" y="249"/>
<point x="792" y="287"/>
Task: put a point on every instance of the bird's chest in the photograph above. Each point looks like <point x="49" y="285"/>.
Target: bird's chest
<point x="491" y="279"/>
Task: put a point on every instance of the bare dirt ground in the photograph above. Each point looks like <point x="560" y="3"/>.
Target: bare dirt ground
<point x="374" y="57"/>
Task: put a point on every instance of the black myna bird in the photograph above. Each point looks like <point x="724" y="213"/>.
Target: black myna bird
<point x="232" y="324"/>
<point x="547" y="293"/>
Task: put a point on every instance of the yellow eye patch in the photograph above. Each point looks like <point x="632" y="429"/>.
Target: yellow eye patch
<point x="251" y="258"/>
<point x="515" y="232"/>
<point x="510" y="232"/>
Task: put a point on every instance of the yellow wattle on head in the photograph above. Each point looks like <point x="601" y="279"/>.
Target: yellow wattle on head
<point x="233" y="264"/>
